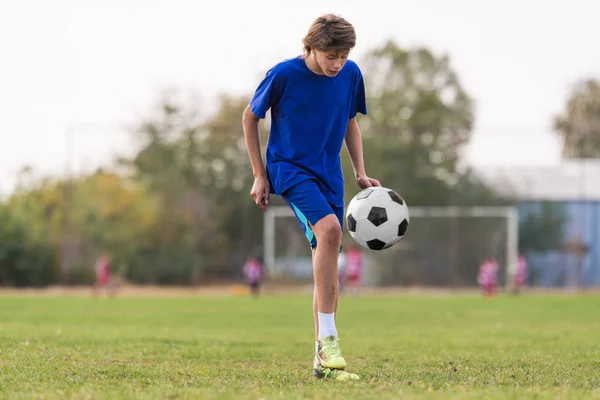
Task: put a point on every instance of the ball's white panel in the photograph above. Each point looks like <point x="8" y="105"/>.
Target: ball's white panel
<point x="359" y="209"/>
<point x="365" y="230"/>
<point x="379" y="197"/>
<point x="358" y="240"/>
<point x="363" y="193"/>
<point x="393" y="242"/>
<point x="387" y="231"/>
<point x="396" y="212"/>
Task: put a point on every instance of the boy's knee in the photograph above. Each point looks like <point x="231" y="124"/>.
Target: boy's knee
<point x="328" y="229"/>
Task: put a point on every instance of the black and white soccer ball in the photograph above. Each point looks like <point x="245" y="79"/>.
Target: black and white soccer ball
<point x="377" y="218"/>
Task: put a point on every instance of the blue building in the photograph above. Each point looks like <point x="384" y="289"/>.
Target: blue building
<point x="558" y="268"/>
<point x="573" y="187"/>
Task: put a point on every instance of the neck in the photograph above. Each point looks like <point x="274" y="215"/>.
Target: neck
<point x="311" y="63"/>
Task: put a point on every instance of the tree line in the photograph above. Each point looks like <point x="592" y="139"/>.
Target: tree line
<point x="178" y="211"/>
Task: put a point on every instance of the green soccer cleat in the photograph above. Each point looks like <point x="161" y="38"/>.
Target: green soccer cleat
<point x="333" y="374"/>
<point x="330" y="354"/>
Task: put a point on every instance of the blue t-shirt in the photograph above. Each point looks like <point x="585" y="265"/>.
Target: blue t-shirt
<point x="309" y="117"/>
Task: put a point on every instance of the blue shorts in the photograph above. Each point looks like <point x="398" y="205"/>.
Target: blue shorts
<point x="309" y="206"/>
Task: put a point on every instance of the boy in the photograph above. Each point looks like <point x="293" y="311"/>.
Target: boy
<point x="313" y="100"/>
<point x="355" y="267"/>
<point x="521" y="276"/>
<point x="253" y="275"/>
<point x="488" y="277"/>
<point x="103" y="278"/>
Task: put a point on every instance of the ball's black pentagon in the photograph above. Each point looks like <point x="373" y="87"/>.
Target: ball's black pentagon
<point x="351" y="223"/>
<point x="377" y="215"/>
<point x="364" y="194"/>
<point x="396" y="197"/>
<point x="402" y="227"/>
<point x="375" y="244"/>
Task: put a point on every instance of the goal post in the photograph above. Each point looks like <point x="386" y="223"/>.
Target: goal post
<point x="503" y="237"/>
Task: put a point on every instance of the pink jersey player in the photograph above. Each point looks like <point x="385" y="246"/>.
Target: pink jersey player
<point x="253" y="274"/>
<point x="521" y="276"/>
<point x="102" y="270"/>
<point x="354" y="267"/>
<point x="103" y="276"/>
<point x="488" y="276"/>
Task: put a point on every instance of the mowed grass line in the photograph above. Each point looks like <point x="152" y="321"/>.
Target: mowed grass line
<point x="231" y="347"/>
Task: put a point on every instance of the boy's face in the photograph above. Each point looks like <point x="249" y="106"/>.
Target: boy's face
<point x="331" y="62"/>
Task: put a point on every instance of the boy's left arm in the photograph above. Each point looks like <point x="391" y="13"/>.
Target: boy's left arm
<point x="355" y="151"/>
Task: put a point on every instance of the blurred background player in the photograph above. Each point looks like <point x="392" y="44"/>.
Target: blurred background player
<point x="253" y="272"/>
<point x="354" y="268"/>
<point x="488" y="277"/>
<point x="103" y="276"/>
<point x="521" y="275"/>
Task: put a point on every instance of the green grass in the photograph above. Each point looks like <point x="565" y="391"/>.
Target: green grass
<point x="227" y="347"/>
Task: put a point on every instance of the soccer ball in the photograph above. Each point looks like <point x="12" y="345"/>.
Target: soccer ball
<point x="377" y="218"/>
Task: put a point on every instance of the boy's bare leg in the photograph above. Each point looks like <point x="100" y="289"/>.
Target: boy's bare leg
<point x="315" y="309"/>
<point x="325" y="297"/>
<point x="329" y="238"/>
<point x="315" y="303"/>
<point x="329" y="362"/>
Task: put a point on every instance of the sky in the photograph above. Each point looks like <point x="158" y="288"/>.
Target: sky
<point x="84" y="69"/>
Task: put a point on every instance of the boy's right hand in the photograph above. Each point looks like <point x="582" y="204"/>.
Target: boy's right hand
<point x="261" y="192"/>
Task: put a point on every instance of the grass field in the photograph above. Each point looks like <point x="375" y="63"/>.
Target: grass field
<point x="403" y="346"/>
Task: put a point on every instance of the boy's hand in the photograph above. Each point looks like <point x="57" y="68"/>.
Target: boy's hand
<point x="364" y="182"/>
<point x="261" y="192"/>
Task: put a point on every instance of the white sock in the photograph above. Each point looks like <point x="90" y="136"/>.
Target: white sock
<point x="326" y="325"/>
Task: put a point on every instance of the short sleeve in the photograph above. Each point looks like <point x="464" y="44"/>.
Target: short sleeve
<point x="359" y="97"/>
<point x="268" y="94"/>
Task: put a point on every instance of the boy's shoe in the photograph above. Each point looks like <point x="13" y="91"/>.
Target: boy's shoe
<point x="330" y="354"/>
<point x="334" y="374"/>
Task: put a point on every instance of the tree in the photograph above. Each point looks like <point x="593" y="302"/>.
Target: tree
<point x="228" y="178"/>
<point x="199" y="169"/>
<point x="419" y="119"/>
<point x="106" y="213"/>
<point x="579" y="124"/>
<point x="113" y="214"/>
<point x="171" y="163"/>
<point x="579" y="127"/>
<point x="541" y="228"/>
<point x="25" y="260"/>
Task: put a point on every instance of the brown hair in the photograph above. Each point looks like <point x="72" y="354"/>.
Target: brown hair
<point x="329" y="32"/>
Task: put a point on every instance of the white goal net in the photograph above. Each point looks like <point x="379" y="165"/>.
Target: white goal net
<point x="443" y="247"/>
